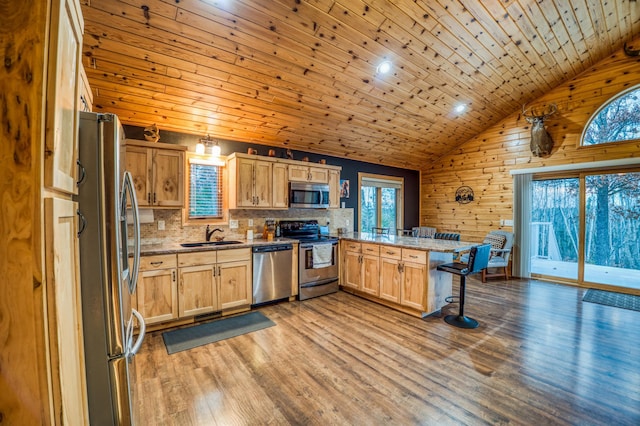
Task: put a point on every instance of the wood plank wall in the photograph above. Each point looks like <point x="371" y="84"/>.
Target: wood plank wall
<point x="484" y="162"/>
<point x="24" y="391"/>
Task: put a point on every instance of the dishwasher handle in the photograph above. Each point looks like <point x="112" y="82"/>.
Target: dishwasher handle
<point x="272" y="247"/>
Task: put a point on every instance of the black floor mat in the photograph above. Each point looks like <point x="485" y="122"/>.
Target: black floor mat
<point x="610" y="298"/>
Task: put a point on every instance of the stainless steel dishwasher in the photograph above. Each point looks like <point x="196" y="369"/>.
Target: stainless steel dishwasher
<point x="272" y="272"/>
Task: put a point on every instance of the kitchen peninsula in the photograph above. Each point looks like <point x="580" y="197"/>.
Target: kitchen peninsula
<point x="398" y="272"/>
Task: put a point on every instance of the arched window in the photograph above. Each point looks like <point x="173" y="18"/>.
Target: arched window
<point x="615" y="121"/>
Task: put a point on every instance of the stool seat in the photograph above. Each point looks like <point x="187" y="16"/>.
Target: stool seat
<point x="478" y="260"/>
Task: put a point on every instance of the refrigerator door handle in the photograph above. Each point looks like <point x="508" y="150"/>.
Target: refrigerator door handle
<point x="129" y="187"/>
<point x="143" y="329"/>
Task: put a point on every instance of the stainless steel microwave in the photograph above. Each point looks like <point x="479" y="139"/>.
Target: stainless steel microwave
<point x="308" y="195"/>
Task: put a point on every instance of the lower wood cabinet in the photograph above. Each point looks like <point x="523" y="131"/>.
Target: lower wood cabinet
<point x="156" y="294"/>
<point x="180" y="286"/>
<point x="387" y="273"/>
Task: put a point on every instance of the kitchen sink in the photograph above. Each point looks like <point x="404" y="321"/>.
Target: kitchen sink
<point x="210" y="243"/>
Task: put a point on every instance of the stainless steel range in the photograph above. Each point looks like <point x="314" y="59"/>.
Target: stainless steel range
<point x="317" y="258"/>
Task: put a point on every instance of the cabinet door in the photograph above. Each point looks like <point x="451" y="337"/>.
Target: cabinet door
<point x="298" y="173"/>
<point x="138" y="163"/>
<point x="413" y="289"/>
<point x="157" y="295"/>
<point x="65" y="310"/>
<point x="263" y="183"/>
<point x="61" y="141"/>
<point x="334" y="189"/>
<point x="168" y="178"/>
<point x="318" y="175"/>
<point x="352" y="270"/>
<point x="235" y="284"/>
<point x="390" y="279"/>
<point x="197" y="292"/>
<point x="280" y="186"/>
<point x="371" y="274"/>
<point x="244" y="183"/>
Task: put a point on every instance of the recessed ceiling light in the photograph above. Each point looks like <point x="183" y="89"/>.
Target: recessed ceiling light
<point x="460" y="108"/>
<point x="384" y="67"/>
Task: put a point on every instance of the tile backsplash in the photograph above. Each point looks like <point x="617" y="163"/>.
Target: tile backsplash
<point x="175" y="231"/>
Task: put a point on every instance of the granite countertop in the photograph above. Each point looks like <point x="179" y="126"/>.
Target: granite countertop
<point x="175" y="247"/>
<point x="429" y="244"/>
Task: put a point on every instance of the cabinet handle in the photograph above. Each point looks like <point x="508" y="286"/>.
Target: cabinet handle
<point x="83" y="223"/>
<point x="412" y="256"/>
<point x="148" y="198"/>
<point x="157" y="263"/>
<point x="219" y="273"/>
<point x="154" y="198"/>
<point x="389" y="252"/>
<point x="214" y="271"/>
<point x="83" y="173"/>
<point x="173" y="276"/>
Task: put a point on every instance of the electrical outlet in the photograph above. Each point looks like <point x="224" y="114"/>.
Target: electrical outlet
<point x="161" y="225"/>
<point x="233" y="224"/>
<point x="508" y="222"/>
<point x="250" y="222"/>
<point x="347" y="222"/>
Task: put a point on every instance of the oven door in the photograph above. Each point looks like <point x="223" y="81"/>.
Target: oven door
<point x="309" y="274"/>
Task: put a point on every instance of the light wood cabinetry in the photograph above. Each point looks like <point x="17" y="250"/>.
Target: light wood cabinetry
<point x="351" y="264"/>
<point x="334" y="189"/>
<point x="390" y="273"/>
<point x="251" y="183"/>
<point x="158" y="173"/>
<point x="257" y="182"/>
<point x="370" y="269"/>
<point x="65" y="310"/>
<point x="211" y="281"/>
<point x="280" y="195"/>
<point x="312" y="174"/>
<point x="156" y="294"/>
<point x="406" y="279"/>
<point x="414" y="279"/>
<point x="85" y="101"/>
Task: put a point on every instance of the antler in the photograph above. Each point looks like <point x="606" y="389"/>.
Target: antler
<point x="553" y="108"/>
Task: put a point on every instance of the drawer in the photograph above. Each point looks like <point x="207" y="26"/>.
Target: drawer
<point x="352" y="246"/>
<point x="373" y="249"/>
<point x="391" y="252"/>
<point x="234" y="255"/>
<point x="161" y="261"/>
<point x="415" y="256"/>
<point x="197" y="258"/>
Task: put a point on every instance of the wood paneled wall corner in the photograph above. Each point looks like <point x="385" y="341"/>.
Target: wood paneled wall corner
<point x="485" y="161"/>
<point x="24" y="385"/>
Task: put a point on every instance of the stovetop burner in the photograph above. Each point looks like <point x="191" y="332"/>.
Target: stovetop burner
<point x="303" y="230"/>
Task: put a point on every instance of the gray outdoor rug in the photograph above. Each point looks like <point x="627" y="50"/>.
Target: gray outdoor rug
<point x="610" y="298"/>
<point x="202" y="334"/>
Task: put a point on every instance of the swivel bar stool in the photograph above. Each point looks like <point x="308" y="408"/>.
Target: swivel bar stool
<point x="478" y="260"/>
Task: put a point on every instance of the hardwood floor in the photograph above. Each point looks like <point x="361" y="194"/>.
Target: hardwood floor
<point x="540" y="356"/>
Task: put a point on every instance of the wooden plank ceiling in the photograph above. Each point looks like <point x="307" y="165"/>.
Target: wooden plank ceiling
<point x="302" y="73"/>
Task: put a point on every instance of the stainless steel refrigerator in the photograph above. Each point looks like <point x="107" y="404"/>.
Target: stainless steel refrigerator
<point x="109" y="264"/>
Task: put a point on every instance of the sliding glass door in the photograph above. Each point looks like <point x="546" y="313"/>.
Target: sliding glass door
<point x="555" y="226"/>
<point x="594" y="242"/>
<point x="612" y="225"/>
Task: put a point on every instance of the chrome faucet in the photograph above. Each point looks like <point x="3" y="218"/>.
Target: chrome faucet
<point x="209" y="233"/>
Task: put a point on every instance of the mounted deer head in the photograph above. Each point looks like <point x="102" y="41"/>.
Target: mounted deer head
<point x="541" y="142"/>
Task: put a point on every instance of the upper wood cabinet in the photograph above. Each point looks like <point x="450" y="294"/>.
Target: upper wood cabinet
<point x="250" y="183"/>
<point x="263" y="182"/>
<point x="65" y="48"/>
<point x="301" y="173"/>
<point x="334" y="189"/>
<point x="280" y="195"/>
<point x="158" y="173"/>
